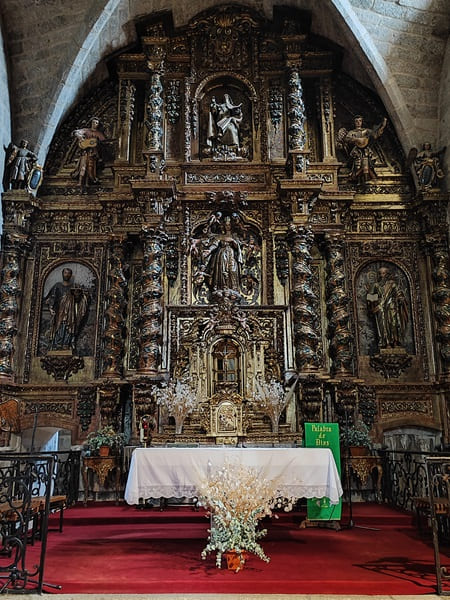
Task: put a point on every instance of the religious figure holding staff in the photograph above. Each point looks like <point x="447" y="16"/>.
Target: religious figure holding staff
<point x="18" y="165"/>
<point x="387" y="303"/>
<point x="68" y="306"/>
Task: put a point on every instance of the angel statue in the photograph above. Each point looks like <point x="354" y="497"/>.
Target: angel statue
<point x="427" y="165"/>
<point x="90" y="152"/>
<point x="357" y="144"/>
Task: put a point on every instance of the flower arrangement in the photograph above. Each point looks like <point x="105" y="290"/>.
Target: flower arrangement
<point x="237" y="497"/>
<point x="271" y="399"/>
<point x="105" y="436"/>
<point x="356" y="435"/>
<point x="178" y="398"/>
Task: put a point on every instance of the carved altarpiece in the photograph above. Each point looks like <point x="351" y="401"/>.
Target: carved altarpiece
<point x="225" y="242"/>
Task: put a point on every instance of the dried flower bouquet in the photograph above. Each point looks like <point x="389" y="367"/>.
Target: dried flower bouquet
<point x="271" y="399"/>
<point x="237" y="497"/>
<point x="178" y="398"/>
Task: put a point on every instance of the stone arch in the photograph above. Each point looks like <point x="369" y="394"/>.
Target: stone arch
<point x="361" y="42"/>
<point x="101" y="38"/>
<point x="5" y="108"/>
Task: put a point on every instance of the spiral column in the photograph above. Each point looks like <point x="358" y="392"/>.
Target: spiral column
<point x="154" y="241"/>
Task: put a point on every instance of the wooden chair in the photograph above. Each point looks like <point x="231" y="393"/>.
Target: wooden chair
<point x="58" y="503"/>
<point x="422" y="507"/>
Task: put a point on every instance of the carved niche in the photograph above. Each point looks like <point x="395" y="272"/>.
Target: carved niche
<point x="226" y="117"/>
<point x="385" y="317"/>
<point x="226" y="257"/>
<point x="68" y="311"/>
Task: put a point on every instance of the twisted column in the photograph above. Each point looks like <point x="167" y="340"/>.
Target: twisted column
<point x="296" y="123"/>
<point x="152" y="292"/>
<point x="305" y="303"/>
<point x="115" y="311"/>
<point x="441" y="298"/>
<point x="9" y="293"/>
<point x="154" y="118"/>
<point x="337" y="300"/>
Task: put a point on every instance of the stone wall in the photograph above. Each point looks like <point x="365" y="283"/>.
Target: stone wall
<point x="444" y="116"/>
<point x="411" y="36"/>
<point x="5" y="113"/>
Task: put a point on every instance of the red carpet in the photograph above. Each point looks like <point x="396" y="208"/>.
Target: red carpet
<point x="119" y="549"/>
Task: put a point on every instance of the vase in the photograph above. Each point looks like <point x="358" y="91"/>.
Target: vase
<point x="179" y="425"/>
<point x="104" y="451"/>
<point x="235" y="560"/>
<point x="359" y="451"/>
<point x="275" y="425"/>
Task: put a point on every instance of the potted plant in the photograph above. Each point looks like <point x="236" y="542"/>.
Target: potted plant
<point x="236" y="498"/>
<point x="105" y="437"/>
<point x="356" y="438"/>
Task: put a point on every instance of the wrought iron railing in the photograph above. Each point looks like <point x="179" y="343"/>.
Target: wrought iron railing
<point x="66" y="473"/>
<point x="404" y="477"/>
<point x="438" y="475"/>
<point x="66" y="476"/>
<point x="28" y="482"/>
<point x="20" y="476"/>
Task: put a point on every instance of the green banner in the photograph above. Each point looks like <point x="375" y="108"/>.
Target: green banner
<point x="324" y="435"/>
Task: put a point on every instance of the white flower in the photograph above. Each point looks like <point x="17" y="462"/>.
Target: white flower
<point x="271" y="398"/>
<point x="237" y="498"/>
<point x="177" y="397"/>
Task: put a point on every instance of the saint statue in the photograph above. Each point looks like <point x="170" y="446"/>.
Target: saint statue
<point x="224" y="265"/>
<point x="68" y="306"/>
<point x="224" y="122"/>
<point x="18" y="165"/>
<point x="226" y="260"/>
<point x="387" y="303"/>
<point x="427" y="165"/>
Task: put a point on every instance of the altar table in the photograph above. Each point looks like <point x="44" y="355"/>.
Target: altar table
<point x="177" y="472"/>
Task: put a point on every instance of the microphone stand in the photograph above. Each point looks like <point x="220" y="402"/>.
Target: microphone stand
<point x="33" y="434"/>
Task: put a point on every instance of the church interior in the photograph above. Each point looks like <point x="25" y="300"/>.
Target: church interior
<point x="221" y="222"/>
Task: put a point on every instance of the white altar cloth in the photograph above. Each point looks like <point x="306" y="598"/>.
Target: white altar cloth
<point x="177" y="472"/>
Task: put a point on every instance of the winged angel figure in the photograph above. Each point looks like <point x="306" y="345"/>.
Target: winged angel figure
<point x="427" y="165"/>
<point x="357" y="143"/>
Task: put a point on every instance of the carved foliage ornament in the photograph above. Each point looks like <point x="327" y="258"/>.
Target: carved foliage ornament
<point x="224" y="40"/>
<point x="62" y="367"/>
<point x="390" y="364"/>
